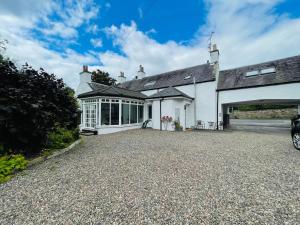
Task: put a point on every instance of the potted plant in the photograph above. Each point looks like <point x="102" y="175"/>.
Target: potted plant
<point x="166" y="120"/>
<point x="177" y="125"/>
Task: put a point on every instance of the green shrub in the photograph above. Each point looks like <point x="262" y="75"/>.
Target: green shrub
<point x="11" y="164"/>
<point x="61" y="138"/>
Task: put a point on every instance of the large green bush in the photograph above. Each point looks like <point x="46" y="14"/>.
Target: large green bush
<point x="32" y="104"/>
<point x="11" y="164"/>
<point x="61" y="138"/>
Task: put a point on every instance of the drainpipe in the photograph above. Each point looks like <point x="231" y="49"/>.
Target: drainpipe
<point x="217" y="109"/>
<point x="160" y="100"/>
<point x="195" y="110"/>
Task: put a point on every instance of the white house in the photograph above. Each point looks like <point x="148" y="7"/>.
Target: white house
<point x="195" y="96"/>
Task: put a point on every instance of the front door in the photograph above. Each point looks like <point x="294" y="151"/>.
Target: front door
<point x="90" y="116"/>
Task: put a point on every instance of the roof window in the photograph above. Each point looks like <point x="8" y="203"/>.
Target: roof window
<point x="187" y="77"/>
<point x="149" y="83"/>
<point x="268" y="70"/>
<point x="252" y="73"/>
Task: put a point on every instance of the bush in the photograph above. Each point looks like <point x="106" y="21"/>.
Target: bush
<point x="11" y="164"/>
<point x="61" y="138"/>
<point x="31" y="104"/>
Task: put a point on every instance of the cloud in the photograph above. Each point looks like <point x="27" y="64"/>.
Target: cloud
<point x="141" y="14"/>
<point x="97" y="43"/>
<point x="94" y="29"/>
<point x="246" y="32"/>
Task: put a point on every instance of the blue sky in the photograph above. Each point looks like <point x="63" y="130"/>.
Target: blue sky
<point x="115" y="36"/>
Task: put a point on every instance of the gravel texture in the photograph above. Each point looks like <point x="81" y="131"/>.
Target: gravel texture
<point x="153" y="177"/>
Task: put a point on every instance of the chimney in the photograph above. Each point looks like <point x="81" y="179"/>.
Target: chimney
<point x="85" y="68"/>
<point x="214" y="55"/>
<point x="121" y="78"/>
<point x="141" y="73"/>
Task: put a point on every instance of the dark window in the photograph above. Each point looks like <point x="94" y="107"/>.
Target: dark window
<point x="114" y="114"/>
<point x="133" y="114"/>
<point x="105" y="113"/>
<point x="150" y="112"/>
<point x="125" y="113"/>
<point x="141" y="113"/>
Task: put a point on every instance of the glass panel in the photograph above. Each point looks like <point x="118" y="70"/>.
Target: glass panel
<point x="141" y="113"/>
<point x="93" y="115"/>
<point x="150" y="112"/>
<point x="133" y="114"/>
<point x="105" y="113"/>
<point x="125" y="114"/>
<point x="114" y="114"/>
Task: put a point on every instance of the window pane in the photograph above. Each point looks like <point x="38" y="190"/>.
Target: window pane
<point x="133" y="114"/>
<point x="150" y="112"/>
<point x="125" y="114"/>
<point x="141" y="113"/>
<point x="114" y="114"/>
<point x="105" y="113"/>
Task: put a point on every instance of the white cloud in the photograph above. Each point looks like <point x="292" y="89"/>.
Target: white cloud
<point x="246" y="32"/>
<point x="140" y="11"/>
<point x="96" y="42"/>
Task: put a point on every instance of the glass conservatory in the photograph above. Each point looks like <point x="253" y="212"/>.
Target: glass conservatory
<point x="111" y="114"/>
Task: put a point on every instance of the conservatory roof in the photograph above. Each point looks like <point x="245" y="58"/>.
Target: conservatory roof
<point x="168" y="93"/>
<point x="112" y="91"/>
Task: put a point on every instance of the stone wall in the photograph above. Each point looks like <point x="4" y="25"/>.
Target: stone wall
<point x="265" y="114"/>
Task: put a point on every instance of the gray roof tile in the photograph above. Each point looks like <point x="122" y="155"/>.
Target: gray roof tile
<point x="169" y="92"/>
<point x="104" y="90"/>
<point x="202" y="73"/>
<point x="287" y="71"/>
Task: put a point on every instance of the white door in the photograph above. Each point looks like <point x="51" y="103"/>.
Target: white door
<point x="90" y="115"/>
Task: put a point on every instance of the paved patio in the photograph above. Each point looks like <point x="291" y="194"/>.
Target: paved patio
<point x="152" y="177"/>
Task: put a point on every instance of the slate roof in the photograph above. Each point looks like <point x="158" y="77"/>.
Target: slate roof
<point x="202" y="73"/>
<point x="287" y="71"/>
<point x="113" y="91"/>
<point x="169" y="92"/>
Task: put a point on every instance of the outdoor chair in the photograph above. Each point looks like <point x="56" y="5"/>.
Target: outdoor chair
<point x="200" y="124"/>
<point x="211" y="125"/>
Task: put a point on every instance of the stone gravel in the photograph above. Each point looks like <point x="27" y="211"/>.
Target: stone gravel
<point x="153" y="177"/>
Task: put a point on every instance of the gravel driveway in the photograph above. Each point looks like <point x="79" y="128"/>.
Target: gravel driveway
<point x="152" y="177"/>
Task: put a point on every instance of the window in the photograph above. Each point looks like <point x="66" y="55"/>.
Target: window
<point x="252" y="73"/>
<point x="125" y="113"/>
<point x="149" y="111"/>
<point x="105" y="111"/>
<point x="187" y="77"/>
<point x="268" y="70"/>
<point x="114" y="114"/>
<point x="133" y="113"/>
<point x="141" y="113"/>
<point x="150" y="83"/>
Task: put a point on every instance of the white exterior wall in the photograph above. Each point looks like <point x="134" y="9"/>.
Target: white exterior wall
<point x="275" y="92"/>
<point x="205" y="101"/>
<point x="85" y="78"/>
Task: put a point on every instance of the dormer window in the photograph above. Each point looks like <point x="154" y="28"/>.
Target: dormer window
<point x="187" y="77"/>
<point x="149" y="83"/>
<point x="261" y="72"/>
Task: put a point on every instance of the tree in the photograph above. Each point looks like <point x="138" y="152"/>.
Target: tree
<point x="32" y="104"/>
<point x="101" y="77"/>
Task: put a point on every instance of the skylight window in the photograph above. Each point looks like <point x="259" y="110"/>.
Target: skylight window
<point x="150" y="83"/>
<point x="187" y="77"/>
<point x="268" y="70"/>
<point x="252" y="73"/>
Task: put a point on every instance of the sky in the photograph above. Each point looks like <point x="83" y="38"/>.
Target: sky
<point x="162" y="35"/>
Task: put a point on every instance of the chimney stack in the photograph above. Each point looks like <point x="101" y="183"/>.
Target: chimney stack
<point x="141" y="73"/>
<point x="85" y="68"/>
<point x="214" y="54"/>
<point x="121" y="78"/>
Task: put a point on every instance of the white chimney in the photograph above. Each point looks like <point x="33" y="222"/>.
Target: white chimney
<point x="121" y="78"/>
<point x="214" y="54"/>
<point x="141" y="73"/>
<point x="85" y="78"/>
